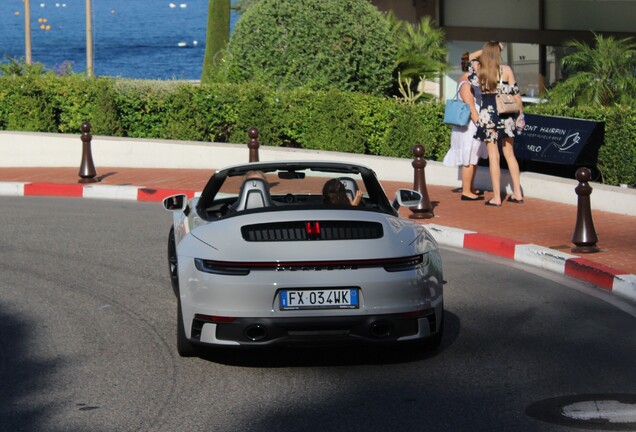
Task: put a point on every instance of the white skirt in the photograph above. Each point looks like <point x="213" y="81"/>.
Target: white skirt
<point x="464" y="149"/>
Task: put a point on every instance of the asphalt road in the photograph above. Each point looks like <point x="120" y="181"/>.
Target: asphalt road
<point x="87" y="343"/>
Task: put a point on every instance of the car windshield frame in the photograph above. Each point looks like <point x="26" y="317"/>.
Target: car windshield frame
<point x="373" y="191"/>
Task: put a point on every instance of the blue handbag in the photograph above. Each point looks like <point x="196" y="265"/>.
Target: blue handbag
<point x="456" y="112"/>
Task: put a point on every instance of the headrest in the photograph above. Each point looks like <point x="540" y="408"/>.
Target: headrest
<point x="350" y="185"/>
<point x="254" y="194"/>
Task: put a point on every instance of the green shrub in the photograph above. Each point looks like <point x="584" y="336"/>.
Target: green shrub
<point x="290" y="110"/>
<point x="416" y="124"/>
<point x="323" y="120"/>
<point x="31" y="103"/>
<point x="375" y="115"/>
<point x="333" y="124"/>
<point x="253" y="109"/>
<point x="104" y="115"/>
<point x="182" y="120"/>
<point x="75" y="96"/>
<point x="617" y="157"/>
<point x="343" y="44"/>
<point x="18" y="67"/>
<point x="4" y="105"/>
<point x="216" y="105"/>
<point x="143" y="106"/>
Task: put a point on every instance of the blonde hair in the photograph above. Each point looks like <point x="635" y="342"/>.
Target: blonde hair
<point x="255" y="174"/>
<point x="490" y="60"/>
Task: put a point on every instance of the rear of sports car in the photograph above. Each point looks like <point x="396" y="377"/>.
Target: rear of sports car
<point x="308" y="277"/>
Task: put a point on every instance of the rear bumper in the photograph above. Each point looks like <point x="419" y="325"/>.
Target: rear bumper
<point x="373" y="329"/>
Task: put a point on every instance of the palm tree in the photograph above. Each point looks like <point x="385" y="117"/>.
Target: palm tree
<point x="421" y="49"/>
<point x="218" y="34"/>
<point x="601" y="75"/>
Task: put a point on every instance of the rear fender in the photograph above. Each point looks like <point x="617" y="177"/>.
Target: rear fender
<point x="184" y="219"/>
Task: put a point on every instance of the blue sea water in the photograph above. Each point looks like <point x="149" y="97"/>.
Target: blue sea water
<point x="146" y="39"/>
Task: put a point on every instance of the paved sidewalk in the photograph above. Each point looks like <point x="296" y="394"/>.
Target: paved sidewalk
<point x="536" y="232"/>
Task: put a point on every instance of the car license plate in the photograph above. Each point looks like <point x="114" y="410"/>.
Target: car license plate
<point x="344" y="298"/>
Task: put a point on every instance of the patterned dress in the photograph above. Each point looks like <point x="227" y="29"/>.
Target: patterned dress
<point x="490" y="123"/>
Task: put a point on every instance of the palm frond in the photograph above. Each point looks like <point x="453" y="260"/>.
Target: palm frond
<point x="421" y="48"/>
<point x="600" y="75"/>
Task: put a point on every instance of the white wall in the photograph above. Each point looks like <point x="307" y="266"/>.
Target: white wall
<point x="22" y="149"/>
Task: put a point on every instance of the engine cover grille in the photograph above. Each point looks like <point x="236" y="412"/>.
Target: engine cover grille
<point x="312" y="231"/>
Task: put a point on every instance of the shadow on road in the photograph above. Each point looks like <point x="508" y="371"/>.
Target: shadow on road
<point x="23" y="376"/>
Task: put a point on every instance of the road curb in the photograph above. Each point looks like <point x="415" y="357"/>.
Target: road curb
<point x="604" y="277"/>
<point x="125" y="192"/>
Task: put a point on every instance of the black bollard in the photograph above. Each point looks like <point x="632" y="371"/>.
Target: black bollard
<point x="253" y="144"/>
<point x="584" y="236"/>
<point x="424" y="210"/>
<point x="87" y="168"/>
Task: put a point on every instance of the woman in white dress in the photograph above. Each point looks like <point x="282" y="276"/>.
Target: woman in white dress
<point x="465" y="150"/>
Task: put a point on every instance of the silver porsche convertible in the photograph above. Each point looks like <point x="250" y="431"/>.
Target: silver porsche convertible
<point x="261" y="259"/>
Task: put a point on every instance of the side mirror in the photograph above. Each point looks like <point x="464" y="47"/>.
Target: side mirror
<point x="406" y="198"/>
<point x="175" y="203"/>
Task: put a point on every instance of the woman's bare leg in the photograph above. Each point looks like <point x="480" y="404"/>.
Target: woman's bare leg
<point x="495" y="171"/>
<point x="472" y="180"/>
<point x="513" y="167"/>
<point x="468" y="177"/>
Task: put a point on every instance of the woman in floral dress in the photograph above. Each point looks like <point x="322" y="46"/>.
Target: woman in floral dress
<point x="493" y="78"/>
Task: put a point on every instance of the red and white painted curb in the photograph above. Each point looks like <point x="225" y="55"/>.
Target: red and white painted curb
<point x="607" y="278"/>
<point x="99" y="191"/>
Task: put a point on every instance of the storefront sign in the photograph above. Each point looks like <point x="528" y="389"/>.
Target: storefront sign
<point x="560" y="140"/>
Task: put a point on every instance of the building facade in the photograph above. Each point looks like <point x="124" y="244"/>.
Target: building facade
<point x="533" y="31"/>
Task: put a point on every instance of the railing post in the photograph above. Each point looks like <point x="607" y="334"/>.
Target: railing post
<point x="584" y="236"/>
<point x="424" y="210"/>
<point x="253" y="144"/>
<point x="87" y="168"/>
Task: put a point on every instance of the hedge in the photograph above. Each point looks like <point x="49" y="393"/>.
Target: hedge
<point x="321" y="120"/>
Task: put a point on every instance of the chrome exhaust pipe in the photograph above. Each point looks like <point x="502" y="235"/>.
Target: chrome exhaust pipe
<point x="255" y="332"/>
<point x="381" y="329"/>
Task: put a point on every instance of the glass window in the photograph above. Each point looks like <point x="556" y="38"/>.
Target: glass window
<point x="598" y="15"/>
<point x="513" y="14"/>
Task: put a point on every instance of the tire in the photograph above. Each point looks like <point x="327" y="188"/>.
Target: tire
<point x="173" y="263"/>
<point x="185" y="348"/>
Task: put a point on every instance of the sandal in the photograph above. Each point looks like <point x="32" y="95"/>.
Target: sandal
<point x="467" y="198"/>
